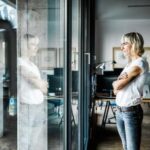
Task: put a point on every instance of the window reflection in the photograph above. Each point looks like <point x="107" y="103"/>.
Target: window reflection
<point x="32" y="107"/>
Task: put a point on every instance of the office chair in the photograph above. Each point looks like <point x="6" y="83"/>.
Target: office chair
<point x="57" y="102"/>
<point x="56" y="87"/>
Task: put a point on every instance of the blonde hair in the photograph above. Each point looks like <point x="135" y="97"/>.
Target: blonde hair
<point x="137" y="41"/>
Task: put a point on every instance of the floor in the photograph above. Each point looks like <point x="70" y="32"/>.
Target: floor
<point x="108" y="139"/>
<point x="105" y="138"/>
<point x="8" y="141"/>
<point x="55" y="131"/>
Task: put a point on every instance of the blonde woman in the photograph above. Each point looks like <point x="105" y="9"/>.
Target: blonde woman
<point x="32" y="133"/>
<point x="129" y="90"/>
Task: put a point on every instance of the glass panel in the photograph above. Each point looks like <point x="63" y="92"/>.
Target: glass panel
<point x="2" y="72"/>
<point x="75" y="74"/>
<point x="8" y="119"/>
<point x="40" y="74"/>
<point x="56" y="80"/>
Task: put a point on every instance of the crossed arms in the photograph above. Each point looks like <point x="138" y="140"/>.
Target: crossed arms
<point x="125" y="78"/>
<point x="31" y="78"/>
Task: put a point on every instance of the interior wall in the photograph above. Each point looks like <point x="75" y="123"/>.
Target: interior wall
<point x="109" y="32"/>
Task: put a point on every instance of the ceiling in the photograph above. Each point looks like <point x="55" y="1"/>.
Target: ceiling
<point x="122" y="9"/>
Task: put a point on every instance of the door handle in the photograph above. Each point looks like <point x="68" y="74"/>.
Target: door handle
<point x="89" y="60"/>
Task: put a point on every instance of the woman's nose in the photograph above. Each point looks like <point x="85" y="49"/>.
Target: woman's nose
<point x="121" y="47"/>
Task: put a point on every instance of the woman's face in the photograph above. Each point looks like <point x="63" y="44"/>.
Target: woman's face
<point x="126" y="48"/>
<point x="32" y="46"/>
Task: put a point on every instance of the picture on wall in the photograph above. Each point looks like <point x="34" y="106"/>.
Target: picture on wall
<point x="47" y="58"/>
<point x="119" y="58"/>
<point x="146" y="55"/>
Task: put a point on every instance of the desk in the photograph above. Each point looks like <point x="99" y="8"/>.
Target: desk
<point x="146" y="100"/>
<point x="106" y="98"/>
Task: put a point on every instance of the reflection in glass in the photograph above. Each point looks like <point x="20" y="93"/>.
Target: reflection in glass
<point x="2" y="72"/>
<point x="75" y="74"/>
<point x="32" y="133"/>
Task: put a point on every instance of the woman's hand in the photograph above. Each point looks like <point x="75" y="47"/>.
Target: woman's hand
<point x="115" y="91"/>
<point x="39" y="83"/>
<point x="44" y="86"/>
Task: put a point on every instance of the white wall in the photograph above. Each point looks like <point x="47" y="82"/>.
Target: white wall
<point x="109" y="32"/>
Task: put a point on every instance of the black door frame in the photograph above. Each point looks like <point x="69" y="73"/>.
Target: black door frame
<point x="86" y="45"/>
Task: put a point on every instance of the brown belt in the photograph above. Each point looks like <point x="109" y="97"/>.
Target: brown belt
<point x="128" y="109"/>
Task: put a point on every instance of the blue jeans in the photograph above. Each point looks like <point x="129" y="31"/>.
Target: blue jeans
<point x="32" y="127"/>
<point x="129" y="125"/>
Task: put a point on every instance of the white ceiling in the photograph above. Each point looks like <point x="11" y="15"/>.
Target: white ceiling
<point x="122" y="9"/>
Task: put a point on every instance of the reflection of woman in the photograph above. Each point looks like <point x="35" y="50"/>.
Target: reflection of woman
<point x="32" y="112"/>
<point x="129" y="90"/>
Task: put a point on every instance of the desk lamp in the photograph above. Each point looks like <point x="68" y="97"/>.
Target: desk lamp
<point x="102" y="65"/>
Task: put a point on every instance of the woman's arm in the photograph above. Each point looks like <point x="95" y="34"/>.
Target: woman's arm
<point x="31" y="78"/>
<point x="126" y="78"/>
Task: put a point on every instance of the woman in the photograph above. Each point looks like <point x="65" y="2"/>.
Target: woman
<point x="32" y="108"/>
<point x="128" y="89"/>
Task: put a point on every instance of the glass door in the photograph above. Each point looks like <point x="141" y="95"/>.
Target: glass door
<point x="75" y="74"/>
<point x="8" y="120"/>
<point x="53" y="67"/>
<point x="2" y="72"/>
<point x="45" y="115"/>
<point x="41" y="74"/>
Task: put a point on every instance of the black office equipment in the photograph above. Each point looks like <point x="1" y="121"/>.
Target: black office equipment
<point x="55" y="84"/>
<point x="105" y="88"/>
<point x="104" y="82"/>
<point x="58" y="71"/>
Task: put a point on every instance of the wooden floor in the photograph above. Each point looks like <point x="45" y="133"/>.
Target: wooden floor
<point x="104" y="139"/>
<point x="108" y="139"/>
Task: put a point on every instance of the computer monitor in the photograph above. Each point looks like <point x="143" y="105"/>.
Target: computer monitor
<point x="55" y="84"/>
<point x="58" y="71"/>
<point x="104" y="83"/>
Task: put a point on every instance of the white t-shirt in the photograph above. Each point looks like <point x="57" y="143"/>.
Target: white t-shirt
<point x="132" y="93"/>
<point x="27" y="92"/>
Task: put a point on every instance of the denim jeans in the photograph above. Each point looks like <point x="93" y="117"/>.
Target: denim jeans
<point x="129" y="125"/>
<point x="32" y="127"/>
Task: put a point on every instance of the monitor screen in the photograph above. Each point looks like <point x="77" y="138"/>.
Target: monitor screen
<point x="104" y="83"/>
<point x="55" y="84"/>
<point x="58" y="71"/>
